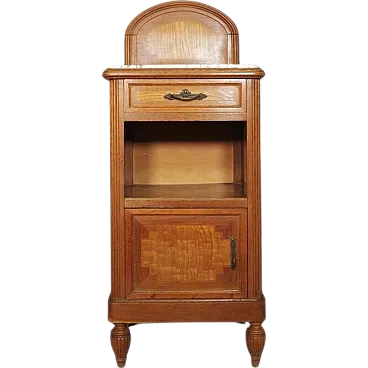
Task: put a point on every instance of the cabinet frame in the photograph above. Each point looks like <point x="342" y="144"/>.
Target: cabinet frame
<point x="252" y="201"/>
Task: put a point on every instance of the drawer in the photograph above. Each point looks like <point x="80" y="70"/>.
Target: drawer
<point x="184" y="96"/>
<point x="183" y="253"/>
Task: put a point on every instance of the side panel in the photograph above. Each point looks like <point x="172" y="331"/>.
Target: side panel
<point x="253" y="178"/>
<point x="117" y="189"/>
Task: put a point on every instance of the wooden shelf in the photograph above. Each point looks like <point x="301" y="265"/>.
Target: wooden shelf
<point x="183" y="191"/>
<point x="185" y="196"/>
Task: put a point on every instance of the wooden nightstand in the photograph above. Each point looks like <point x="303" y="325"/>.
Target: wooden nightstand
<point x="185" y="176"/>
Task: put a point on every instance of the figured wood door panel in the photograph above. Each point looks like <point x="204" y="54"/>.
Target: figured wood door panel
<point x="176" y="254"/>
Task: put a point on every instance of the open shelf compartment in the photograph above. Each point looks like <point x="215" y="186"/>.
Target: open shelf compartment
<point x="185" y="161"/>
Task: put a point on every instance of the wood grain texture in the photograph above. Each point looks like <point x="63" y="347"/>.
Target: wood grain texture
<point x="182" y="162"/>
<point x="117" y="190"/>
<point x="255" y="338"/>
<point x="186" y="202"/>
<point x="220" y="211"/>
<point x="184" y="253"/>
<point x="128" y="162"/>
<point x="187" y="116"/>
<point x="190" y="191"/>
<point x="184" y="153"/>
<point x="186" y="196"/>
<point x="179" y="32"/>
<point x="254" y="190"/>
<point x="120" y="341"/>
<point x="212" y="310"/>
<point x="181" y="37"/>
<point x="148" y="95"/>
<point x="239" y="158"/>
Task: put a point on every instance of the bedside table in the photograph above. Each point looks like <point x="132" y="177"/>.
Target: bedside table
<point x="185" y="187"/>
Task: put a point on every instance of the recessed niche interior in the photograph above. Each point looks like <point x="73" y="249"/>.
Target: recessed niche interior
<point x="184" y="159"/>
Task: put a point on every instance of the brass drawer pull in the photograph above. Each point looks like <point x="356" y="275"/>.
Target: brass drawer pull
<point x="185" y="95"/>
<point x="233" y="252"/>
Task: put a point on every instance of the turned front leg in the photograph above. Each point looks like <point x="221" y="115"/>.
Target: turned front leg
<point x="120" y="341"/>
<point x="256" y="338"/>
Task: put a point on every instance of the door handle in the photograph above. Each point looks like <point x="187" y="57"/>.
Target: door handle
<point x="233" y="252"/>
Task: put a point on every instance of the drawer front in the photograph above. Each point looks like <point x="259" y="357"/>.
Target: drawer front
<point x="182" y="95"/>
<point x="179" y="254"/>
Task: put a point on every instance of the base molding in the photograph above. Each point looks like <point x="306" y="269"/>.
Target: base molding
<point x="214" y="310"/>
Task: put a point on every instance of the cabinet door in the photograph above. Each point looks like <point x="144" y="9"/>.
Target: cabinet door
<point x="176" y="254"/>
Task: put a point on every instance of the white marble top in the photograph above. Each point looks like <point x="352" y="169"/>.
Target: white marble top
<point x="187" y="66"/>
